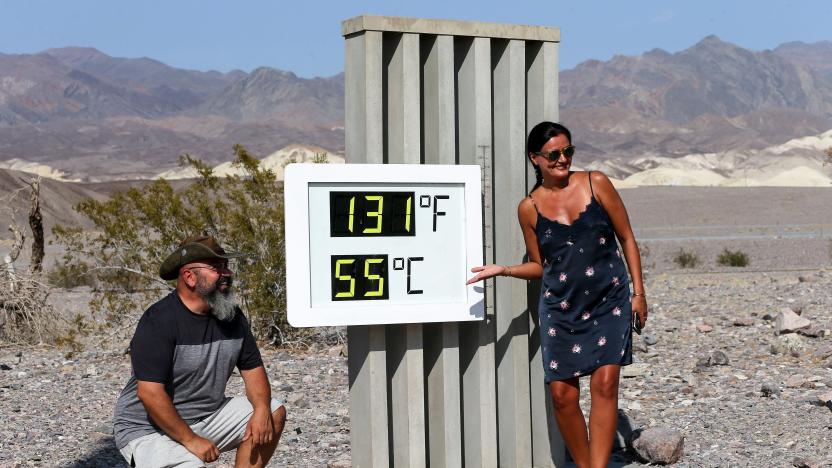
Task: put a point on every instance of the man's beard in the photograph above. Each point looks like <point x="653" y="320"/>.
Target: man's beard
<point x="223" y="304"/>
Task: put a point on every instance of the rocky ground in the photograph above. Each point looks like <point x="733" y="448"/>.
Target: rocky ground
<point x="756" y="405"/>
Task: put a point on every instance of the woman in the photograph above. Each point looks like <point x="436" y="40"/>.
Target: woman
<point x="570" y="221"/>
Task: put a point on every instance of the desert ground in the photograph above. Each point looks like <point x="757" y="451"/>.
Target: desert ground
<point x="761" y="406"/>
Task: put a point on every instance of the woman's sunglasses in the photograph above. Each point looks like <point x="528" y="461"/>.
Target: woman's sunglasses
<point x="566" y="151"/>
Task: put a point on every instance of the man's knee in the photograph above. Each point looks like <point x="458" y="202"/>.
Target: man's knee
<point x="279" y="418"/>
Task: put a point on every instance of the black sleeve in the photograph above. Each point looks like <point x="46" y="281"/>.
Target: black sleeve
<point x="249" y="354"/>
<point x="151" y="350"/>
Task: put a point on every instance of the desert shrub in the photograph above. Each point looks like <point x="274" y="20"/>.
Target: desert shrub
<point x="686" y="259"/>
<point x="732" y="258"/>
<point x="136" y="229"/>
<point x="70" y="276"/>
<point x="25" y="314"/>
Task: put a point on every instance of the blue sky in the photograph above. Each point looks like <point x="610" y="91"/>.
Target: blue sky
<point x="304" y="36"/>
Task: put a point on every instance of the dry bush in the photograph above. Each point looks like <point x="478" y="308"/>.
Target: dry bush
<point x="733" y="258"/>
<point x="686" y="259"/>
<point x="25" y="314"/>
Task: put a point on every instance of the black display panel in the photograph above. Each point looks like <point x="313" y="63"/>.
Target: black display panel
<point x="371" y="214"/>
<point x="359" y="277"/>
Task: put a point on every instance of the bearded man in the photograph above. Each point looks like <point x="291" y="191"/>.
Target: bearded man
<point x="173" y="410"/>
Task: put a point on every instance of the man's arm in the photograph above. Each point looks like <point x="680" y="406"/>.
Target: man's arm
<point x="259" y="393"/>
<point x="161" y="410"/>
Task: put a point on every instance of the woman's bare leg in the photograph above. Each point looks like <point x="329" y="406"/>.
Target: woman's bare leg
<point x="603" y="415"/>
<point x="570" y="418"/>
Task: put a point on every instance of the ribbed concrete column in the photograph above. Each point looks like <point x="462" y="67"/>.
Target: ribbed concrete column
<point x="366" y="361"/>
<point x="541" y="104"/>
<point x="512" y="349"/>
<point x="443" y="414"/>
<point x="479" y="396"/>
<point x="451" y="92"/>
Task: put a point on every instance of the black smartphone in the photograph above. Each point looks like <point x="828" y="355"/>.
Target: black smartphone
<point x="636" y="323"/>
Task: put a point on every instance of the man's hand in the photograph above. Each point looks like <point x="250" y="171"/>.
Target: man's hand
<point x="260" y="427"/>
<point x="203" y="448"/>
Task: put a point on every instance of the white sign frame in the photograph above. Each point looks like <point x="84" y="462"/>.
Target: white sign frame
<point x="300" y="311"/>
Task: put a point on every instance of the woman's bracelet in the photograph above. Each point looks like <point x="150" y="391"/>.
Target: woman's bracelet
<point x="507" y="272"/>
<point x="635" y="294"/>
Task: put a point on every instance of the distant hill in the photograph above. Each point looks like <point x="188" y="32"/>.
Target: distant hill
<point x="274" y="94"/>
<point x="96" y="117"/>
<point x="817" y="56"/>
<point x="713" y="96"/>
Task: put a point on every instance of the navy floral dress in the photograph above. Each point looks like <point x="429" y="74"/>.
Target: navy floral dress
<point x="585" y="310"/>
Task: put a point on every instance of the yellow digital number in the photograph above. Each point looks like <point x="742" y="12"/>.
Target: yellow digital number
<point x="407" y="214"/>
<point x="377" y="214"/>
<point x="367" y="263"/>
<point x="338" y="263"/>
<point x="352" y="212"/>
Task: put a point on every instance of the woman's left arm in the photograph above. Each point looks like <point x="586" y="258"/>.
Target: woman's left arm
<point x="608" y="197"/>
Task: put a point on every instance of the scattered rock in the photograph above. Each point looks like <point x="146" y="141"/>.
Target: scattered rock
<point x="743" y="322"/>
<point x="795" y="381"/>
<point x="805" y="463"/>
<point x="814" y="331"/>
<point x="769" y="390"/>
<point x="787" y="321"/>
<point x="787" y="344"/>
<point x="5" y="367"/>
<point x="768" y="317"/>
<point x="825" y="399"/>
<point x="91" y="371"/>
<point x="336" y="351"/>
<point x="807" y="279"/>
<point x="345" y="461"/>
<point x="661" y="445"/>
<point x="283" y="356"/>
<point x="298" y="400"/>
<point x="636" y="369"/>
<point x="649" y="339"/>
<point x="704" y="328"/>
<point x="716" y="358"/>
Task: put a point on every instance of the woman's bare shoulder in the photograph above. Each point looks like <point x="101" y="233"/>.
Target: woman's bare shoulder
<point x="526" y="209"/>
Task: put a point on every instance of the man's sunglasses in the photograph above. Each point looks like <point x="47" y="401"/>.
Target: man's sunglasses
<point x="566" y="151"/>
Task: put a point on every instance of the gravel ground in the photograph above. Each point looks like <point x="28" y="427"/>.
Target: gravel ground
<point x="56" y="411"/>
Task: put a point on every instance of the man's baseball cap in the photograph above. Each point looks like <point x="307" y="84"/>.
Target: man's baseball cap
<point x="193" y="249"/>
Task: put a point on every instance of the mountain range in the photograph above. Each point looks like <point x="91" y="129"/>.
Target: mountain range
<point x="97" y="117"/>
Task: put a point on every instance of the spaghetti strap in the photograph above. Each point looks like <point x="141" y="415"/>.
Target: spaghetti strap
<point x="533" y="203"/>
<point x="591" y="191"/>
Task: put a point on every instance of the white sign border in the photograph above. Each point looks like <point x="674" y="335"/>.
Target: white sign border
<point x="296" y="208"/>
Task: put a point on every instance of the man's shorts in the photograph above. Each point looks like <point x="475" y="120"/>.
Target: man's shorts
<point x="225" y="428"/>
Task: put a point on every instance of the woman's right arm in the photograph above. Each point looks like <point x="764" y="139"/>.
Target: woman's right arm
<point x="532" y="269"/>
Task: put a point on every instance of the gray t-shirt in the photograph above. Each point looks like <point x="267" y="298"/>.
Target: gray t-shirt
<point x="193" y="355"/>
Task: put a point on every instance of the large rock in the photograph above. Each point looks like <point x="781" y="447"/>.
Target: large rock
<point x="660" y="445"/>
<point x="787" y="322"/>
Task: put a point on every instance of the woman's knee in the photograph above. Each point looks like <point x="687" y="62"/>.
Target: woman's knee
<point x="564" y="396"/>
<point x="604" y="386"/>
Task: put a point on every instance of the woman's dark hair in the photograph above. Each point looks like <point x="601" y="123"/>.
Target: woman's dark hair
<point x="538" y="136"/>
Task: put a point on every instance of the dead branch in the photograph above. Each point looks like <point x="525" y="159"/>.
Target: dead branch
<point x="131" y="270"/>
<point x="36" y="225"/>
